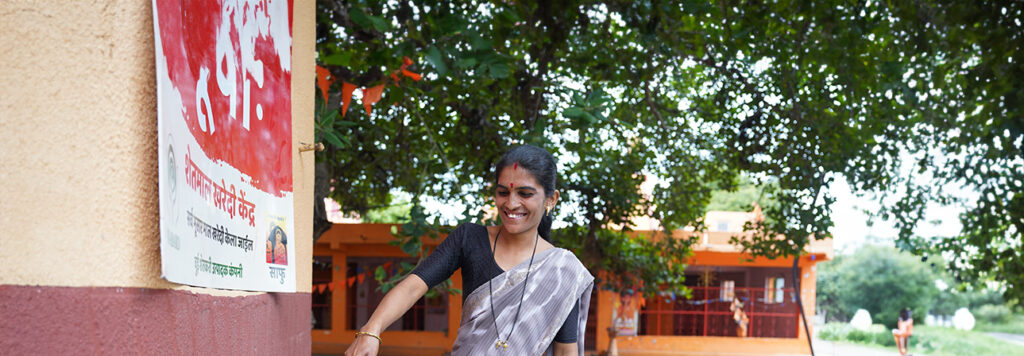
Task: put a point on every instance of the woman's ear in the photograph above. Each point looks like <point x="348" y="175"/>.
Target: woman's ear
<point x="552" y="200"/>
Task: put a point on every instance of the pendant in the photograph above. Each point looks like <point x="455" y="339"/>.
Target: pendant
<point x="501" y="345"/>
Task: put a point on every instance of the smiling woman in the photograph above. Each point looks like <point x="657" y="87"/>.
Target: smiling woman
<point x="536" y="296"/>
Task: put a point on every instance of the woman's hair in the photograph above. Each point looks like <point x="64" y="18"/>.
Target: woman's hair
<point x="905" y="314"/>
<point x="541" y="165"/>
<point x="273" y="235"/>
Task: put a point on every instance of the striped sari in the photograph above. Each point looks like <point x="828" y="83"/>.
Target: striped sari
<point x="557" y="281"/>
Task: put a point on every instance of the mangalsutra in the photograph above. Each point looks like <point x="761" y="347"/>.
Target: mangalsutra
<point x="503" y="344"/>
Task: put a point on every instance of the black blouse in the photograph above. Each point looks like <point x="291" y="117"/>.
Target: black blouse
<point x="469" y="247"/>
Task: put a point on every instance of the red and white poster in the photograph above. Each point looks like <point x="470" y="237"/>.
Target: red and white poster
<point x="224" y="114"/>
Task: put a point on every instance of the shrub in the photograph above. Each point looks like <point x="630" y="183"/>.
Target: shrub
<point x="993" y="314"/>
<point x="834" y="331"/>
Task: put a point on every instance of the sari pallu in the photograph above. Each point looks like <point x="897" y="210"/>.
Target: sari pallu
<point x="557" y="282"/>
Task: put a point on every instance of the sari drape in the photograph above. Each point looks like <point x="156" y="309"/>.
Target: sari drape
<point x="557" y="282"/>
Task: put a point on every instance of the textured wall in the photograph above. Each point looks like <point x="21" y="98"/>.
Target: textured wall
<point x="79" y="115"/>
<point x="79" y="155"/>
<point x="80" y="248"/>
<point x="138" y="321"/>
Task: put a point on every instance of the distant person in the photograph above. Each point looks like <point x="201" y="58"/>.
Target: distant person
<point x="739" y="317"/>
<point x="904" y="328"/>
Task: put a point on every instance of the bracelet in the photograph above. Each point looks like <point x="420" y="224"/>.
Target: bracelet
<point x="375" y="336"/>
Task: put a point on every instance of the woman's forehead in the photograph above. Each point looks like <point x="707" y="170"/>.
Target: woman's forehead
<point x="517" y="175"/>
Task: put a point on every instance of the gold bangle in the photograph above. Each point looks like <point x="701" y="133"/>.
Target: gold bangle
<point x="375" y="336"/>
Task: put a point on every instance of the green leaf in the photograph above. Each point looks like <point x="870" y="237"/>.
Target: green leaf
<point x="366" y="20"/>
<point x="380" y="274"/>
<point x="343" y="123"/>
<point x="328" y="119"/>
<point x="573" y="112"/>
<point x="433" y="56"/>
<point x="333" y="139"/>
<point x="465" y="63"/>
<point x="411" y="247"/>
<point x="338" y="59"/>
<point x="499" y="71"/>
<point x="479" y="43"/>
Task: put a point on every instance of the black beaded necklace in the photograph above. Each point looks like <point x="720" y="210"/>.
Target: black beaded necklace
<point x="503" y="344"/>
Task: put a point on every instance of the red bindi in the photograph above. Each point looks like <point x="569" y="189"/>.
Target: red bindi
<point x="515" y="166"/>
<point x="511" y="185"/>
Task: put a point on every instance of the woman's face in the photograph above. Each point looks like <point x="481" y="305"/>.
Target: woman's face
<point x="520" y="200"/>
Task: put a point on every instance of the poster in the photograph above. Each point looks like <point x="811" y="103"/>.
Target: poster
<point x="224" y="126"/>
<point x="625" y="314"/>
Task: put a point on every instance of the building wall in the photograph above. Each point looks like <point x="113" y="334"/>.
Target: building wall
<point x="702" y="345"/>
<point x="371" y="240"/>
<point x="80" y="256"/>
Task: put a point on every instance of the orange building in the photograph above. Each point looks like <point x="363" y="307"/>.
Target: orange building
<point x="344" y="294"/>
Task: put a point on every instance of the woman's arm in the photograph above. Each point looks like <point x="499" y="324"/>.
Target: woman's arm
<point x="393" y="306"/>
<point x="566" y="349"/>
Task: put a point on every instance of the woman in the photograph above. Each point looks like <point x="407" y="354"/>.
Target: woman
<point x="739" y="317"/>
<point x="524" y="295"/>
<point x="904" y="328"/>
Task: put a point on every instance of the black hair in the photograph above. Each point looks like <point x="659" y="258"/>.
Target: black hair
<point x="906" y="314"/>
<point x="541" y="164"/>
<point x="284" y="238"/>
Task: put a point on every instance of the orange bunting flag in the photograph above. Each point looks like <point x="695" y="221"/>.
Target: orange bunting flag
<point x="324" y="79"/>
<point x="371" y="96"/>
<point x="351" y="281"/>
<point x="361" y="278"/>
<point x="387" y="264"/>
<point x="643" y="302"/>
<point x="406" y="62"/>
<point x="412" y="75"/>
<point x="346" y="96"/>
<point x="320" y="287"/>
<point x="330" y="286"/>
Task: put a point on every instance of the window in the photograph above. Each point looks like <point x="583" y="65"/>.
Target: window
<point x="773" y="292"/>
<point x="363" y="295"/>
<point x="722" y="226"/>
<point x="323" y="268"/>
<point x="728" y="290"/>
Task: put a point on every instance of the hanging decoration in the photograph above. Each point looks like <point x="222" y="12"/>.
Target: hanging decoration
<point x="371" y="95"/>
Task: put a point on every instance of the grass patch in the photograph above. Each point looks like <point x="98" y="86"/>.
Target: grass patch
<point x="935" y="341"/>
<point x="1014" y="324"/>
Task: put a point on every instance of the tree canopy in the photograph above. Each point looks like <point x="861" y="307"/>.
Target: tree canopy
<point x="692" y="95"/>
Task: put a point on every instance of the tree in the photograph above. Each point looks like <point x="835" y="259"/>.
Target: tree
<point x="740" y="197"/>
<point x="880" y="280"/>
<point x="695" y="94"/>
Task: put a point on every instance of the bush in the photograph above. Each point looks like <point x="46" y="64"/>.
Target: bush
<point x="936" y="341"/>
<point x="993" y="314"/>
<point x="834" y="331"/>
<point x="877" y="334"/>
<point x="879" y="279"/>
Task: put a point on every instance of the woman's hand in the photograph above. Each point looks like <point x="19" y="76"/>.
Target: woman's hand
<point x="394" y="304"/>
<point x="363" y="345"/>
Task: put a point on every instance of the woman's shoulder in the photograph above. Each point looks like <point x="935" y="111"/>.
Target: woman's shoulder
<point x="468" y="231"/>
<point x="568" y="256"/>
<point x="470" y="228"/>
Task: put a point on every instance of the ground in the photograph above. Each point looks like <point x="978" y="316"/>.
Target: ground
<point x="830" y="348"/>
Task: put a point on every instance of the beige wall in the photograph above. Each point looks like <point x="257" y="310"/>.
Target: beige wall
<point x="78" y="183"/>
<point x="303" y="69"/>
